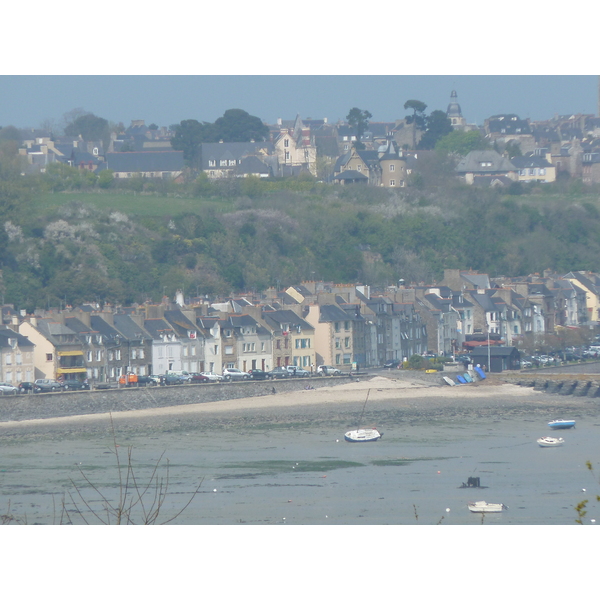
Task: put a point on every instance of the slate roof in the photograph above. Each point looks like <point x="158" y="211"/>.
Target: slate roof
<point x="22" y="341"/>
<point x="330" y="313"/>
<point x="105" y="329"/>
<point x="252" y="165"/>
<point x="127" y="327"/>
<point x="157" y="326"/>
<point x="477" y="280"/>
<point x="285" y="317"/>
<point x="528" y="162"/>
<point x="471" y="163"/>
<point x="181" y="324"/>
<point x="144" y="162"/>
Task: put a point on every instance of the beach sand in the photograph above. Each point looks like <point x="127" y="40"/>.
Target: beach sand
<point x="413" y="398"/>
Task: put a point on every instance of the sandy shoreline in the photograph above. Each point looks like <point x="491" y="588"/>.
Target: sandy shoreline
<point x="385" y="394"/>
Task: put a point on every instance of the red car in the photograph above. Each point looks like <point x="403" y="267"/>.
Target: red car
<point x="198" y="378"/>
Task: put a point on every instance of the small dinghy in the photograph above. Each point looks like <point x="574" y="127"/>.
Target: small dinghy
<point x="550" y="442"/>
<point x="448" y="380"/>
<point x="479" y="372"/>
<point x="363" y="435"/>
<point x="485" y="507"/>
<point x="561" y="424"/>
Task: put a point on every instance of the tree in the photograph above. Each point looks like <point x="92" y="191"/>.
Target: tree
<point x="189" y="134"/>
<point x="437" y="125"/>
<point x="417" y="118"/>
<point x="462" y="142"/>
<point x="236" y="125"/>
<point x="359" y="119"/>
<point x="90" y="127"/>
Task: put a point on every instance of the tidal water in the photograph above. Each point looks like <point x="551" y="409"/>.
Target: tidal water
<point x="300" y="475"/>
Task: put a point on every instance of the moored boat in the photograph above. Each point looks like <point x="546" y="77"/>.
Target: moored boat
<point x="550" y="442"/>
<point x="484" y="507"/>
<point x="363" y="435"/>
<point x="561" y="424"/>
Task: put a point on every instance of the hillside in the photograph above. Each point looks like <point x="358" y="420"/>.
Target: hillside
<point x="126" y="246"/>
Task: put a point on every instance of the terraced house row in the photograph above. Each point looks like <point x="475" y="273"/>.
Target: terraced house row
<point x="308" y="325"/>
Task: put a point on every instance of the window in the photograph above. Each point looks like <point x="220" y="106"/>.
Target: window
<point x="347" y="342"/>
<point x="19" y="358"/>
<point x="117" y="355"/>
<point x="346" y="325"/>
<point x="98" y="355"/>
<point x="287" y="155"/>
<point x="8" y="359"/>
<point x="49" y="357"/>
<point x="392" y="182"/>
<point x="212" y="162"/>
<point x="89" y="356"/>
<point x="392" y="167"/>
<point x="286" y="143"/>
<point x="232" y="163"/>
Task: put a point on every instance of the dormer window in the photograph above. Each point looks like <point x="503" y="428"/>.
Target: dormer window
<point x="212" y="162"/>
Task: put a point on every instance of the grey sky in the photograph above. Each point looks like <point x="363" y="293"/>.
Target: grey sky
<point x="28" y="100"/>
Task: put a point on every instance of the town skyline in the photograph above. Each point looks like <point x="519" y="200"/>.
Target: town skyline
<point x="28" y="101"/>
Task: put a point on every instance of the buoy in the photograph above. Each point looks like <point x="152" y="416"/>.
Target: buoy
<point x="439" y="472"/>
<point x="447" y="510"/>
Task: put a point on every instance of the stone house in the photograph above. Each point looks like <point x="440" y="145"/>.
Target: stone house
<point x="295" y="146"/>
<point x="225" y="159"/>
<point x="487" y="164"/>
<point x="293" y="339"/>
<point x="191" y="338"/>
<point x="385" y="167"/>
<point x="535" y="168"/>
<point x="16" y="357"/>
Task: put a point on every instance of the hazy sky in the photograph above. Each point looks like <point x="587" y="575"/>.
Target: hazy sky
<point x="123" y="61"/>
<point x="28" y="100"/>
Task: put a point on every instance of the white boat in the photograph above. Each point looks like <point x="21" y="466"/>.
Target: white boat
<point x="484" y="507"/>
<point x="550" y="442"/>
<point x="561" y="424"/>
<point x="363" y="435"/>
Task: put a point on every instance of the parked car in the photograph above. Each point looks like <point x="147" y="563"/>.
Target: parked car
<point x="172" y="379"/>
<point x="279" y="373"/>
<point x="259" y="374"/>
<point x="25" y="387"/>
<point x="213" y="377"/>
<point x="235" y="375"/>
<point x="297" y="371"/>
<point x="156" y="380"/>
<point x="75" y="384"/>
<point x="183" y="375"/>
<point x="198" y="378"/>
<point x="7" y="388"/>
<point x="328" y="370"/>
<point x="45" y="385"/>
<point x="391" y="364"/>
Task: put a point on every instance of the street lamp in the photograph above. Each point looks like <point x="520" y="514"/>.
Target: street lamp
<point x="488" y="336"/>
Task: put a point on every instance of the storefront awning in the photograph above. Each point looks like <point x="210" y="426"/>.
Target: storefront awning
<point x="71" y="370"/>
<point x="71" y="353"/>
